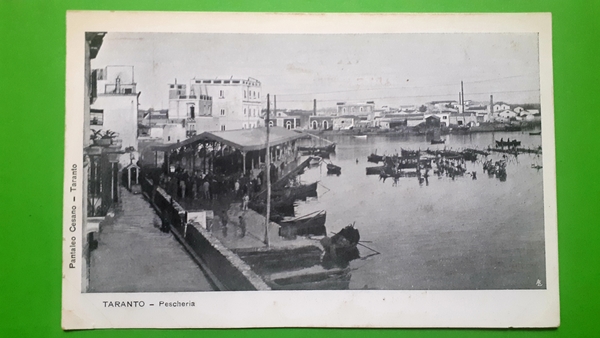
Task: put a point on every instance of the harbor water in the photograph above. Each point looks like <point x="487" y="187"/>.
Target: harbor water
<point x="460" y="234"/>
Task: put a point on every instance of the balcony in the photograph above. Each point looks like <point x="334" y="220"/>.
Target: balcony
<point x="123" y="89"/>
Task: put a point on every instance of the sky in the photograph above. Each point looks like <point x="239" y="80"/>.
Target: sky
<point x="390" y="69"/>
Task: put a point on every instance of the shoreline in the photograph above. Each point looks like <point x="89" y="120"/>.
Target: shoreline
<point x="484" y="128"/>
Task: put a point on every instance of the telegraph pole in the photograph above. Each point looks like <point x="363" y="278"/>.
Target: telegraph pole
<point x="268" y="176"/>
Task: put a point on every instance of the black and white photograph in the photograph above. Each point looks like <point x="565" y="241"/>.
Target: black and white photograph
<point x="333" y="158"/>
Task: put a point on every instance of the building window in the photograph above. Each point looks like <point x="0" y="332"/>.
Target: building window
<point x="244" y="93"/>
<point x="288" y="124"/>
<point x="223" y="127"/>
<point x="96" y="117"/>
<point x="270" y="123"/>
<point x="315" y="124"/>
<point x="222" y="112"/>
<point x="221" y="94"/>
<point x="244" y="111"/>
<point x="168" y="138"/>
<point x="192" y="112"/>
<point x="361" y="109"/>
<point x="325" y="124"/>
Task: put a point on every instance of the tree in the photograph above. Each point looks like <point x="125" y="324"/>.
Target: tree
<point x="422" y="108"/>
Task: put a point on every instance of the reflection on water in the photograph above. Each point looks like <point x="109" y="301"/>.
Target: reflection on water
<point x="450" y="234"/>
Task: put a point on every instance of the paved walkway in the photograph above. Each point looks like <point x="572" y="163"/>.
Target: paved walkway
<point x="255" y="232"/>
<point x="133" y="255"/>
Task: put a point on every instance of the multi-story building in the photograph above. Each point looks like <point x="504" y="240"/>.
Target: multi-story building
<point x="357" y="109"/>
<point x="192" y="109"/>
<point x="235" y="102"/>
<point x="116" y="105"/>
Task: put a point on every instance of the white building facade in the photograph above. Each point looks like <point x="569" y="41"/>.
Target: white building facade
<point x="235" y="102"/>
<point x="116" y="105"/>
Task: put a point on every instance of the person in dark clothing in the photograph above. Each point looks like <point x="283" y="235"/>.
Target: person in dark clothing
<point x="242" y="226"/>
<point x="224" y="221"/>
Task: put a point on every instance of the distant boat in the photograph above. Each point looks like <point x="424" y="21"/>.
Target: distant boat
<point x="361" y="136"/>
<point x="440" y="141"/>
<point x="374" y="158"/>
<point x="536" y="133"/>
<point x="333" y="169"/>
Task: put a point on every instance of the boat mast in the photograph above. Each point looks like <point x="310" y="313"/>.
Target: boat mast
<point x="268" y="176"/>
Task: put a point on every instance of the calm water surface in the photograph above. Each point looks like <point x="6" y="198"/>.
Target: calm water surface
<point x="461" y="234"/>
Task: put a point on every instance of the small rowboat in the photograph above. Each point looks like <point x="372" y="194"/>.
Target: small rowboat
<point x="440" y="141"/>
<point x="536" y="133"/>
<point x="311" y="224"/>
<point x="333" y="169"/>
<point x="361" y="136"/>
<point x="374" y="158"/>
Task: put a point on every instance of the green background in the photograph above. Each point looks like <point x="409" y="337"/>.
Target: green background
<point x="32" y="91"/>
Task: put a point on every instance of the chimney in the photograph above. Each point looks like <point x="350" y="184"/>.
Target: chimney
<point x="315" y="107"/>
<point x="491" y="105"/>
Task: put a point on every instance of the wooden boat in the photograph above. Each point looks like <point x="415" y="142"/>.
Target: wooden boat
<point x="310" y="224"/>
<point x="329" y="149"/>
<point x="440" y="141"/>
<point x="410" y="153"/>
<point x="375" y="170"/>
<point x="300" y="192"/>
<point x="536" y="133"/>
<point x="315" y="160"/>
<point x="333" y="169"/>
<point x="513" y="143"/>
<point x="342" y="243"/>
<point x="374" y="158"/>
<point x="313" y="278"/>
<point x="361" y="136"/>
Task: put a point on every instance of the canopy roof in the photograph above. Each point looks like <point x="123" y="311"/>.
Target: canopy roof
<point x="241" y="139"/>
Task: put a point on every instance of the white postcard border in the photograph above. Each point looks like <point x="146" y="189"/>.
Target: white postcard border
<point x="364" y="308"/>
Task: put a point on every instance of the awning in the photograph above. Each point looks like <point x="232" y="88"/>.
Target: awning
<point x="241" y="139"/>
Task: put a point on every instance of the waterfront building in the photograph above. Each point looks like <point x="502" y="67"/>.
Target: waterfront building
<point x="466" y="119"/>
<point x="344" y="108"/>
<point x="344" y="122"/>
<point x="231" y="151"/>
<point x="285" y="120"/>
<point x="320" y="122"/>
<point x="500" y="106"/>
<point x="236" y="103"/>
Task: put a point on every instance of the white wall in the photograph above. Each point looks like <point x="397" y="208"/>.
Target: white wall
<point x="120" y="116"/>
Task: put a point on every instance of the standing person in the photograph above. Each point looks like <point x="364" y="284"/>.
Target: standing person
<point x="206" y="189"/>
<point x="245" y="201"/>
<point x="242" y="226"/>
<point x="236" y="188"/>
<point x="224" y="221"/>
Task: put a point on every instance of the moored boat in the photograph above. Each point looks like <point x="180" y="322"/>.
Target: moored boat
<point x="342" y="243"/>
<point x="440" y="141"/>
<point x="313" y="278"/>
<point x="361" y="136"/>
<point x="315" y="160"/>
<point x="374" y="158"/>
<point x="310" y="224"/>
<point x="333" y="169"/>
<point x="536" y="133"/>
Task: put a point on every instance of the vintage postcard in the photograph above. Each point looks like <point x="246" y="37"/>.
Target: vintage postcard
<point x="227" y="170"/>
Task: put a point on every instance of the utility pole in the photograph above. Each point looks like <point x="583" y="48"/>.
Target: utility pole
<point x="462" y="93"/>
<point x="268" y="177"/>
